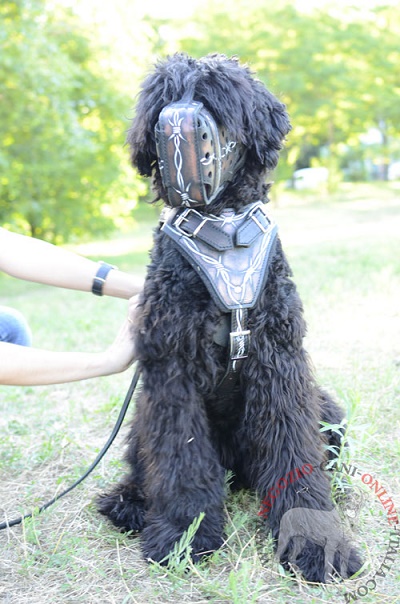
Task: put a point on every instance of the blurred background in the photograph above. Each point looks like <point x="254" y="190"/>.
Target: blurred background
<point x="70" y="70"/>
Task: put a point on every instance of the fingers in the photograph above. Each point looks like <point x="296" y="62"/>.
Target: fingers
<point x="121" y="353"/>
<point x="132" y="309"/>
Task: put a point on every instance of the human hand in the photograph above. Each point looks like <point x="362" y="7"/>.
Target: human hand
<point x="121" y="354"/>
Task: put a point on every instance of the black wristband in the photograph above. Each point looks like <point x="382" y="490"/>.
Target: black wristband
<point x="100" y="277"/>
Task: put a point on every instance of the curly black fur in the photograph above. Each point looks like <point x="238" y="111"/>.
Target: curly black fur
<point x="185" y="436"/>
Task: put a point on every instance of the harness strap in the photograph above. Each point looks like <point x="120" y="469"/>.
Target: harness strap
<point x="256" y="222"/>
<point x="193" y="224"/>
<point x="212" y="231"/>
<point x="239" y="343"/>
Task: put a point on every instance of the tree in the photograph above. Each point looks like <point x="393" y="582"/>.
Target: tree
<point x="336" y="70"/>
<point x="61" y="126"/>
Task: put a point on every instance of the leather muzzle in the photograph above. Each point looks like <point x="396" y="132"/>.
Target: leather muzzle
<point x="197" y="158"/>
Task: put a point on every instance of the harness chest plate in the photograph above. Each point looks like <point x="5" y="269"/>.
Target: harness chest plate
<point x="230" y="252"/>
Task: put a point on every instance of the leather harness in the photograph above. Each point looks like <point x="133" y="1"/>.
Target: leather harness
<point x="231" y="253"/>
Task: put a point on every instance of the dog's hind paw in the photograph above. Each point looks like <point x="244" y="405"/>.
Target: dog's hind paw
<point x="124" y="511"/>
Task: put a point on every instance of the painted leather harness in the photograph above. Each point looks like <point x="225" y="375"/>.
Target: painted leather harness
<point x="231" y="253"/>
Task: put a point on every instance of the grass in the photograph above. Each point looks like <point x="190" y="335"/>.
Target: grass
<point x="345" y="257"/>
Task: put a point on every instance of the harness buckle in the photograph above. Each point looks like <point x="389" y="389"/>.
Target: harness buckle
<point x="198" y="228"/>
<point x="179" y="220"/>
<point x="239" y="345"/>
<point x="184" y="217"/>
<point x="254" y="218"/>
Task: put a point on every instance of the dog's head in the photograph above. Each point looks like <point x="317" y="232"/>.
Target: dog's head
<point x="237" y="101"/>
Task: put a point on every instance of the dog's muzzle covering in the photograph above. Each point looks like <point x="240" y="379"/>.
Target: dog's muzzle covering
<point x="196" y="157"/>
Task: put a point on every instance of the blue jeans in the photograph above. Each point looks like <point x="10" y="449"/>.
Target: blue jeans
<point x="14" y="327"/>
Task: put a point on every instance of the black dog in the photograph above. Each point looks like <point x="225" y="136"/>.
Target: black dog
<point x="208" y="404"/>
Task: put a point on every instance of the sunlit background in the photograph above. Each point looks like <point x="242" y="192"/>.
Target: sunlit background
<point x="70" y="70"/>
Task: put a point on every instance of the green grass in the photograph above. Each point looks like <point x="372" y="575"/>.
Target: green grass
<point x="346" y="263"/>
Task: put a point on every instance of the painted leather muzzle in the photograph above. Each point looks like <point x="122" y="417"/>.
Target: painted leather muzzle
<point x="197" y="157"/>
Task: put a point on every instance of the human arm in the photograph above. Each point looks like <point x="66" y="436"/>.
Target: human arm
<point x="25" y="366"/>
<point x="35" y="260"/>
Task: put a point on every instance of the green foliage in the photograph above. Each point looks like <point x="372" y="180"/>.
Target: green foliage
<point x="61" y="127"/>
<point x="337" y="71"/>
<point x="67" y="82"/>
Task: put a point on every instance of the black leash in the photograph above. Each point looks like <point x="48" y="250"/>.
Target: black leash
<point x="104" y="450"/>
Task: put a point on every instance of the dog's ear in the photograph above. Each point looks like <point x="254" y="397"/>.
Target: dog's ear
<point x="141" y="141"/>
<point x="140" y="136"/>
<point x="168" y="82"/>
<point x="268" y="127"/>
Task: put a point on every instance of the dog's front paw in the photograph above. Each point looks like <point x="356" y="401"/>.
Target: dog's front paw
<point x="315" y="542"/>
<point x="164" y="543"/>
<point x="123" y="509"/>
<point x="319" y="566"/>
